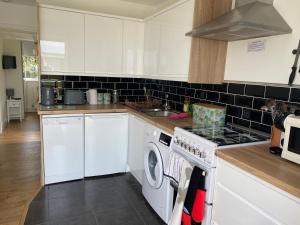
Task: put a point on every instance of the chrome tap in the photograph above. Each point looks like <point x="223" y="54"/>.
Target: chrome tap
<point x="166" y="105"/>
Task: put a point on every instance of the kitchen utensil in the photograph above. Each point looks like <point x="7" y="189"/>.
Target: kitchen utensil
<point x="295" y="66"/>
<point x="91" y="96"/>
<point x="74" y="97"/>
<point x="100" y="98"/>
<point x="107" y="98"/>
<point x="47" y="96"/>
<point x="115" y="97"/>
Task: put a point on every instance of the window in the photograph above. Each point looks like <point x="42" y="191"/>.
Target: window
<point x="30" y="67"/>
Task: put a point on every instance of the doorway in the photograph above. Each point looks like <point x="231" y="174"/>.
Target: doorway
<point x="30" y="76"/>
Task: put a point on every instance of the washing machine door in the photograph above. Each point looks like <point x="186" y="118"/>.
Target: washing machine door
<point x="153" y="165"/>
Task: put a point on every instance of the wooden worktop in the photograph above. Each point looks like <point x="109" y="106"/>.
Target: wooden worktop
<point x="163" y="123"/>
<point x="259" y="162"/>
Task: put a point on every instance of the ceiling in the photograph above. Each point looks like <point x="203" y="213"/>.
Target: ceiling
<point x="128" y="8"/>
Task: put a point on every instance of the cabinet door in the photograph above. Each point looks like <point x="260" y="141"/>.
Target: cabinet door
<point x="61" y="41"/>
<point x="103" y="45"/>
<point x="232" y="209"/>
<point x="241" y="198"/>
<point x="136" y="147"/>
<point x="174" y="54"/>
<point x="106" y="144"/>
<point x="133" y="48"/>
<point x="151" y="51"/>
<point x="63" y="146"/>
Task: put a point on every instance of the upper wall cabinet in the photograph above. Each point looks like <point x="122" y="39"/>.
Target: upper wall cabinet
<point x="103" y="45"/>
<point x="151" y="49"/>
<point x="167" y="49"/>
<point x="61" y="41"/>
<point x="133" y="48"/>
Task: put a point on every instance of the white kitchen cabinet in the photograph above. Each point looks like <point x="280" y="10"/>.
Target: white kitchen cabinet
<point x="167" y="49"/>
<point x="103" y="45"/>
<point x="151" y="49"/>
<point x="63" y="145"/>
<point x="243" y="199"/>
<point x="133" y="48"/>
<point x="61" y="41"/>
<point x="136" y="147"/>
<point x="106" y="143"/>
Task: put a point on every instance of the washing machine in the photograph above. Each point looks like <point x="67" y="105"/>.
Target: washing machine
<point x="156" y="186"/>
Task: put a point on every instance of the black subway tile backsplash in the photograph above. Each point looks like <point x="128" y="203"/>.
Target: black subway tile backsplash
<point x="258" y="103"/>
<point x="243" y="101"/>
<point x="213" y="96"/>
<point x="72" y="78"/>
<point x="236" y="88"/>
<point x="295" y="95"/>
<point x="227" y="98"/>
<point x="255" y="90"/>
<point x="279" y="93"/>
<point x="234" y="111"/>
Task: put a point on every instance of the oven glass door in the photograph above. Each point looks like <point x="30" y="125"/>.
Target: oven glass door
<point x="294" y="140"/>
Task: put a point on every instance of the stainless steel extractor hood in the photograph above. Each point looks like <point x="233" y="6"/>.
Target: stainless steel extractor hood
<point x="250" y="19"/>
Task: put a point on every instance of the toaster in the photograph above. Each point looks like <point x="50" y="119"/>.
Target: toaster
<point x="74" y="97"/>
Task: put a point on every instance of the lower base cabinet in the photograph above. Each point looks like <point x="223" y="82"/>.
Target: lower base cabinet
<point x="106" y="143"/>
<point x="242" y="199"/>
<point x="136" y="147"/>
<point x="63" y="147"/>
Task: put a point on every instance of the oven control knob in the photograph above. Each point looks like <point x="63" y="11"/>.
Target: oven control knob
<point x="202" y="155"/>
<point x="175" y="140"/>
<point x="196" y="151"/>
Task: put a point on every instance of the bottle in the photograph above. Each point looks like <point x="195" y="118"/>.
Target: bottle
<point x="115" y="97"/>
<point x="186" y="104"/>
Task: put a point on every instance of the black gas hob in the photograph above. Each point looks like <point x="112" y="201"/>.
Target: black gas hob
<point x="228" y="135"/>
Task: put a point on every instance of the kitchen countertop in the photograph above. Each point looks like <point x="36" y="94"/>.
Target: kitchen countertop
<point x="163" y="123"/>
<point x="257" y="161"/>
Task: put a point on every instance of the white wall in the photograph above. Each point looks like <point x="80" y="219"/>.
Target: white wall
<point x="2" y="90"/>
<point x="18" y="17"/>
<point x="274" y="64"/>
<point x="14" y="77"/>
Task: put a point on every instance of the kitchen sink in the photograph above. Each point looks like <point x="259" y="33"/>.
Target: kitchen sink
<point x="161" y="113"/>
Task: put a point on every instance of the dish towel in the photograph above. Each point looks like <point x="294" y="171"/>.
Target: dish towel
<point x="175" y="166"/>
<point x="194" y="204"/>
<point x="185" y="176"/>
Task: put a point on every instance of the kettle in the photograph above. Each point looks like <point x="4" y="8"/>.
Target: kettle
<point x="91" y="96"/>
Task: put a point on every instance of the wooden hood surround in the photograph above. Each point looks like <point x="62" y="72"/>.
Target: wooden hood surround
<point x="208" y="57"/>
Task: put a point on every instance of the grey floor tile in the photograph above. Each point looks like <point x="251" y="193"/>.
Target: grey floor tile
<point x="125" y="216"/>
<point x="38" y="212"/>
<point x="85" y="219"/>
<point x="111" y="200"/>
<point x="61" y="208"/>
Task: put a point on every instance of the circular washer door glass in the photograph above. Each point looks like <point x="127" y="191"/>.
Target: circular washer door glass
<point x="153" y="166"/>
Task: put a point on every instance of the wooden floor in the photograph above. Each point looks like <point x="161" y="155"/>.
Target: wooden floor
<point x="19" y="168"/>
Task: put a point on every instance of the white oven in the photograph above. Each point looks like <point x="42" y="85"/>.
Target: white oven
<point x="291" y="146"/>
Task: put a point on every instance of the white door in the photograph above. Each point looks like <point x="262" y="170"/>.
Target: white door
<point x="63" y="148"/>
<point x="103" y="45"/>
<point x="153" y="165"/>
<point x="106" y="143"/>
<point x="136" y="147"/>
<point x="31" y="95"/>
<point x="133" y="48"/>
<point x="61" y="41"/>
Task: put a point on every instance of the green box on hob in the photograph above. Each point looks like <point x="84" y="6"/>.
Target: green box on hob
<point x="209" y="115"/>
